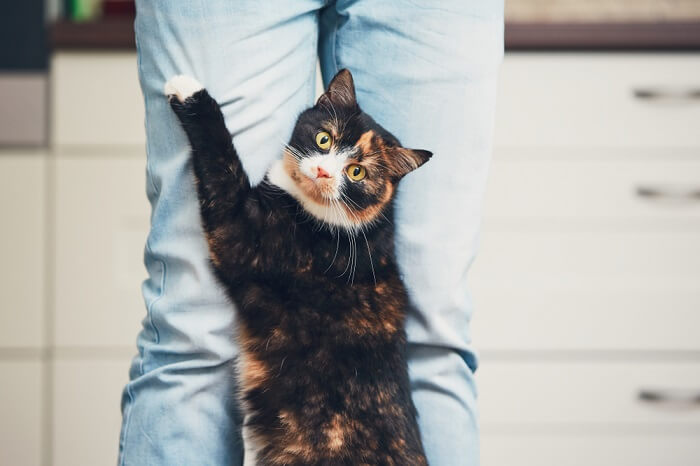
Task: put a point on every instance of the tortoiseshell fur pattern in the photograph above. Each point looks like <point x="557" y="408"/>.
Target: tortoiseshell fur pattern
<point x="320" y="306"/>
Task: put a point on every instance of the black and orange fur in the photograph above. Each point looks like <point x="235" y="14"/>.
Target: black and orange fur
<point x="321" y="314"/>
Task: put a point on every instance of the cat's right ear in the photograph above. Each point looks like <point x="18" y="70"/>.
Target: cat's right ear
<point x="340" y="92"/>
<point x="407" y="160"/>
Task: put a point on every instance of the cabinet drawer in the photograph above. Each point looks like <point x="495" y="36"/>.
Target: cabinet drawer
<point x="602" y="449"/>
<point x="96" y="99"/>
<point x="623" y="320"/>
<point x="101" y="228"/>
<point x="22" y="238"/>
<point x="610" y="99"/>
<point x="586" y="187"/>
<point x="587" y="290"/>
<point x="550" y="394"/>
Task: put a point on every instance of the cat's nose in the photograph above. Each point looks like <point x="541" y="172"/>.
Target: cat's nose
<point x="321" y="173"/>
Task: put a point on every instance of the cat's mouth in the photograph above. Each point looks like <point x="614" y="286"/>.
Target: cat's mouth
<point x="321" y="188"/>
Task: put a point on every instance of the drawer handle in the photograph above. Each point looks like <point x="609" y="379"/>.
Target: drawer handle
<point x="675" y="396"/>
<point x="657" y="94"/>
<point x="680" y="194"/>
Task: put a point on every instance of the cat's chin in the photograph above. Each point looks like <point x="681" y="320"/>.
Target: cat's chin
<point x="321" y="191"/>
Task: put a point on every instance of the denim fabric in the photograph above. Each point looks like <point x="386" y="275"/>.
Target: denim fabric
<point x="427" y="71"/>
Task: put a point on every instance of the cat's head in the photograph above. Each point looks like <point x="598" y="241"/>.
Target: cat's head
<point x="343" y="165"/>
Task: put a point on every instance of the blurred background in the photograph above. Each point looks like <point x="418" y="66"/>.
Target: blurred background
<point x="587" y="285"/>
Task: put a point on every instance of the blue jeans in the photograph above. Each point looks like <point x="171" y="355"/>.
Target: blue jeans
<point x="425" y="70"/>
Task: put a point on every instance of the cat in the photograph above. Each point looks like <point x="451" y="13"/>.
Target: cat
<point x="307" y="256"/>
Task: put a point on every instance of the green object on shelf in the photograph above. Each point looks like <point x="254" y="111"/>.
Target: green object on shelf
<point x="82" y="10"/>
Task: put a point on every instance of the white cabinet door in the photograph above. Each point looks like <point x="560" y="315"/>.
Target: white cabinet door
<point x="20" y="412"/>
<point x="101" y="227"/>
<point x="582" y="289"/>
<point x="598" y="100"/>
<point x="604" y="448"/>
<point x="22" y="246"/>
<point x="653" y="189"/>
<point x="615" y="394"/>
<point x="96" y="99"/>
<point x="87" y="416"/>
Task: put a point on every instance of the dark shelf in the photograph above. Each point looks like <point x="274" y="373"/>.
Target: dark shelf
<point x="115" y="34"/>
<point x="106" y="34"/>
<point x="603" y="36"/>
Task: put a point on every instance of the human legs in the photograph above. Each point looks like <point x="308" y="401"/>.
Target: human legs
<point x="427" y="72"/>
<point x="258" y="60"/>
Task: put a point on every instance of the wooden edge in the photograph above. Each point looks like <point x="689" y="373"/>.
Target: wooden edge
<point x="109" y="34"/>
<point x="603" y="36"/>
<point x="119" y="34"/>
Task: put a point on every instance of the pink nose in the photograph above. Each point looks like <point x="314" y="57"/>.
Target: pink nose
<point x="321" y="173"/>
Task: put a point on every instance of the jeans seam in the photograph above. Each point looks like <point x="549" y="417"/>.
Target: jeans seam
<point x="125" y="429"/>
<point x="144" y="91"/>
<point x="334" y="44"/>
<point x="149" y="308"/>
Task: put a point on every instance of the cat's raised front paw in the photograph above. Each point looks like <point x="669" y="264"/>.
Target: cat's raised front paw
<point x="181" y="87"/>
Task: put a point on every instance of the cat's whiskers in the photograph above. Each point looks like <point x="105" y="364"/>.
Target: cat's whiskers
<point x="353" y="258"/>
<point x="348" y="267"/>
<point x="335" y="205"/>
<point x="369" y="253"/>
<point x="337" y="244"/>
<point x="352" y="237"/>
<point x="293" y="152"/>
<point x="344" y="196"/>
<point x="360" y="227"/>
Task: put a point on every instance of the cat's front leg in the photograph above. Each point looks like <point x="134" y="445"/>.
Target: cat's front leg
<point x="222" y="182"/>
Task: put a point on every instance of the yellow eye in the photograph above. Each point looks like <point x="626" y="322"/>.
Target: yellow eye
<point x="356" y="172"/>
<point x="323" y="140"/>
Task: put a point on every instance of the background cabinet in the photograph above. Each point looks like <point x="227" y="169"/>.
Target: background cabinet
<point x="587" y="284"/>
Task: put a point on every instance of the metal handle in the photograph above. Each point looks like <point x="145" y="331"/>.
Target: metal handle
<point x="675" y="396"/>
<point x="675" y="193"/>
<point x="667" y="94"/>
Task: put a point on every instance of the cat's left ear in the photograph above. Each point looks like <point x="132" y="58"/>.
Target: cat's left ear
<point x="340" y="92"/>
<point x="407" y="160"/>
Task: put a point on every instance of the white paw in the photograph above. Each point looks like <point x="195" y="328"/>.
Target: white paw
<point x="182" y="87"/>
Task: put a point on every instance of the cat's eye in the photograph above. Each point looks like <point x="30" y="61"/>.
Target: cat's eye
<point x="323" y="140"/>
<point x="356" y="172"/>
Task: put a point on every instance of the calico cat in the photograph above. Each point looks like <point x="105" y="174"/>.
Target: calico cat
<point x="308" y="258"/>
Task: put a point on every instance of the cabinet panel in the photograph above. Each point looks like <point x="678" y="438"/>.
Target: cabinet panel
<point x="22" y="270"/>
<point x="96" y="99"/>
<point x="589" y="394"/>
<point x="563" y="100"/>
<point x="587" y="290"/>
<point x="602" y="449"/>
<point x="519" y="318"/>
<point x="87" y="417"/>
<point x="20" y="412"/>
<point x="101" y="228"/>
<point x="585" y="188"/>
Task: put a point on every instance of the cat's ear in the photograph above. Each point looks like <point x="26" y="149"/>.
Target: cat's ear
<point x="340" y="92"/>
<point x="407" y="160"/>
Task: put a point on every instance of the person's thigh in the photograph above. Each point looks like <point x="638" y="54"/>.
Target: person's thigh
<point x="258" y="60"/>
<point x="427" y="71"/>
